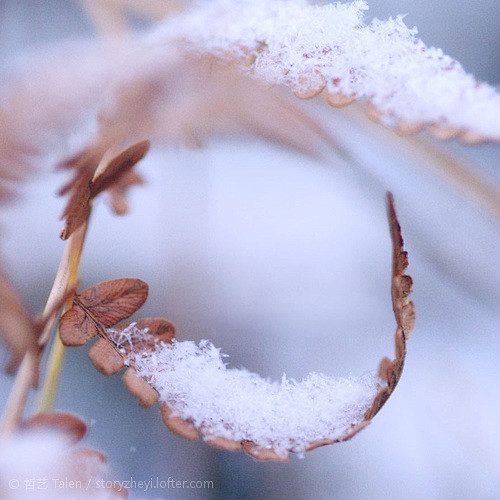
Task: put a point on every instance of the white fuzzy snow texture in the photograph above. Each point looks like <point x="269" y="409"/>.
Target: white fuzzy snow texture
<point x="237" y="404"/>
<point x="296" y="43"/>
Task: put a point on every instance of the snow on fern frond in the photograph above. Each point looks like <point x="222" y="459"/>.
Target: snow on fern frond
<point x="309" y="47"/>
<point x="235" y="409"/>
<point x="238" y="405"/>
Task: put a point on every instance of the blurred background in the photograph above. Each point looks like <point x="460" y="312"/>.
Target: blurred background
<point x="283" y="261"/>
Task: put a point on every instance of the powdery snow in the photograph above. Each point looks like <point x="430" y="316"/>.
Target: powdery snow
<point x="237" y="404"/>
<point x="296" y="43"/>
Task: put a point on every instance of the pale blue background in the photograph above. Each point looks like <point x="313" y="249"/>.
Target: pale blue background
<point x="284" y="262"/>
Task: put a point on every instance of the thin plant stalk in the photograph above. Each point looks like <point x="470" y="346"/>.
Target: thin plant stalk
<point x="14" y="408"/>
<point x="51" y="382"/>
<point x="66" y="279"/>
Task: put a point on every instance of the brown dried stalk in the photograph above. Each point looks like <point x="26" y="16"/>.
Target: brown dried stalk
<point x="109" y="360"/>
<point x="461" y="174"/>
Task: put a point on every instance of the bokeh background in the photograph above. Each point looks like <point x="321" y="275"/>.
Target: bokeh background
<point x="284" y="262"/>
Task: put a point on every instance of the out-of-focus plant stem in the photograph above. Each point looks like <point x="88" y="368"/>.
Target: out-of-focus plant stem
<point x="51" y="383"/>
<point x="65" y="280"/>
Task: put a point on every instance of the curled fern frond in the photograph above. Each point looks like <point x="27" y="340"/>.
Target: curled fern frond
<point x="235" y="409"/>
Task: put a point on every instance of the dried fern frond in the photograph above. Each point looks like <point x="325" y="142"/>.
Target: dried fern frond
<point x="134" y="92"/>
<point x="310" y="47"/>
<point x="234" y="409"/>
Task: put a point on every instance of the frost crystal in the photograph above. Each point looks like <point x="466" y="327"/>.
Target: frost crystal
<point x="239" y="405"/>
<point x="307" y="46"/>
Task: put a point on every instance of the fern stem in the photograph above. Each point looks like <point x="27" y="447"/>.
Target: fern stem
<point x="51" y="382"/>
<point x="65" y="279"/>
<point x="19" y="394"/>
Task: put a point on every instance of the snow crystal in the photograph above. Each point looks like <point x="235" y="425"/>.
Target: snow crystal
<point x="237" y="404"/>
<point x="297" y="43"/>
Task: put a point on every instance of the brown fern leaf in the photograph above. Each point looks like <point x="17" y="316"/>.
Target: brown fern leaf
<point x="19" y="330"/>
<point x="95" y="174"/>
<point x="118" y="191"/>
<point x="404" y="312"/>
<point x="100" y="307"/>
<point x="108" y="360"/>
<point x="145" y="393"/>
